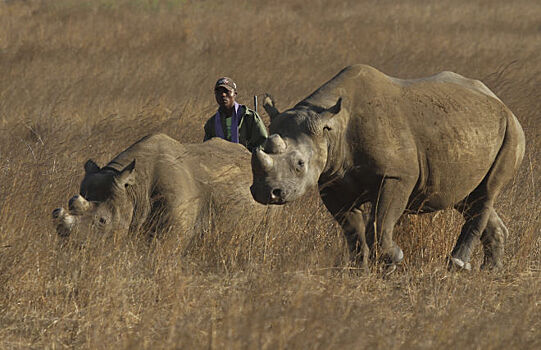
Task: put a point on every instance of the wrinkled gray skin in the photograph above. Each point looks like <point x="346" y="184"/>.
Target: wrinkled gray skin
<point x="161" y="184"/>
<point x="401" y="146"/>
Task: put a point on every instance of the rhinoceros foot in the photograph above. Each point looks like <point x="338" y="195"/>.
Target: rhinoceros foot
<point x="392" y="259"/>
<point x="490" y="265"/>
<point x="394" y="256"/>
<point x="459" y="265"/>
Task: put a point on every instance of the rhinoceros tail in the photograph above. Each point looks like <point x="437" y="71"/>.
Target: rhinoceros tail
<point x="509" y="157"/>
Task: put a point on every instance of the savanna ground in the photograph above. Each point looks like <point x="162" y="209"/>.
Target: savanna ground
<point x="83" y="79"/>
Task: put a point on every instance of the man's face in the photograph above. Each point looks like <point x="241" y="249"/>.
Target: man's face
<point x="225" y="97"/>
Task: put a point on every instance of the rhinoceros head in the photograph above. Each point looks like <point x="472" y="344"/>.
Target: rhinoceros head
<point x="294" y="155"/>
<point x="103" y="203"/>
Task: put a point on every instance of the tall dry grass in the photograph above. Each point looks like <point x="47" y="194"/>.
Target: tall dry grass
<point x="84" y="79"/>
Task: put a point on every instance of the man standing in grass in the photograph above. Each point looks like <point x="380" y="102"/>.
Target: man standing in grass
<point x="234" y="122"/>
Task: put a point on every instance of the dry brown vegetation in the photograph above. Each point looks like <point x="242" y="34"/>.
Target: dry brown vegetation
<point x="84" y="79"/>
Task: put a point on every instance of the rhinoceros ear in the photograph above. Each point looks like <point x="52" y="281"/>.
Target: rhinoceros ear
<point x="127" y="176"/>
<point x="336" y="108"/>
<point x="268" y="105"/>
<point x="91" y="167"/>
<point x="328" y="114"/>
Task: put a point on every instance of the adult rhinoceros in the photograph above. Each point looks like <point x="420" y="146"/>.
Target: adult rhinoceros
<point x="418" y="145"/>
<point x="159" y="183"/>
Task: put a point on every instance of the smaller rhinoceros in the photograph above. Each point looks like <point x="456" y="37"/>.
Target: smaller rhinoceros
<point x="413" y="146"/>
<point x="160" y="184"/>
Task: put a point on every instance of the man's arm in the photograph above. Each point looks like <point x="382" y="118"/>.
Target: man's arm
<point x="258" y="134"/>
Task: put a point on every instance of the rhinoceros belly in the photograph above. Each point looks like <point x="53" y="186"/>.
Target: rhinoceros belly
<point x="454" y="159"/>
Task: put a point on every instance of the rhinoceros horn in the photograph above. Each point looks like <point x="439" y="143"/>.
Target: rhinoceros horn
<point x="78" y="205"/>
<point x="262" y="160"/>
<point x="275" y="144"/>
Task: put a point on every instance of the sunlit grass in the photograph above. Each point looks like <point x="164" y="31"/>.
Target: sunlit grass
<point x="86" y="79"/>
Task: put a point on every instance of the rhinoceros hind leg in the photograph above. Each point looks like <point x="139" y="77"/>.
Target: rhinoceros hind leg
<point x="476" y="213"/>
<point x="493" y="239"/>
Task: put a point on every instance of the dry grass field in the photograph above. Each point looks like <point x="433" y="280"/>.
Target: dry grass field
<point x="85" y="79"/>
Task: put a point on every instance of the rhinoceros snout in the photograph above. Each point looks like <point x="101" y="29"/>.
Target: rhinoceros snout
<point x="267" y="195"/>
<point x="277" y="196"/>
<point x="63" y="221"/>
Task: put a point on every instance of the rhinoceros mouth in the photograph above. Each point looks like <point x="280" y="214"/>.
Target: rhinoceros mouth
<point x="278" y="201"/>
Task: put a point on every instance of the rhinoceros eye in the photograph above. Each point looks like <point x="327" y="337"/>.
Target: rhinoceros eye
<point x="300" y="166"/>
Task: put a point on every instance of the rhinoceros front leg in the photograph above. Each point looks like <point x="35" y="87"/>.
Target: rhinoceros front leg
<point x="387" y="208"/>
<point x="352" y="218"/>
<point x="354" y="225"/>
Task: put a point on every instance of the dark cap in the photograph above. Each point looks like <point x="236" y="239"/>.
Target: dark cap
<point x="227" y="83"/>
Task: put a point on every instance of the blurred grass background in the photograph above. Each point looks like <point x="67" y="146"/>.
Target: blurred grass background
<point x="85" y="79"/>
